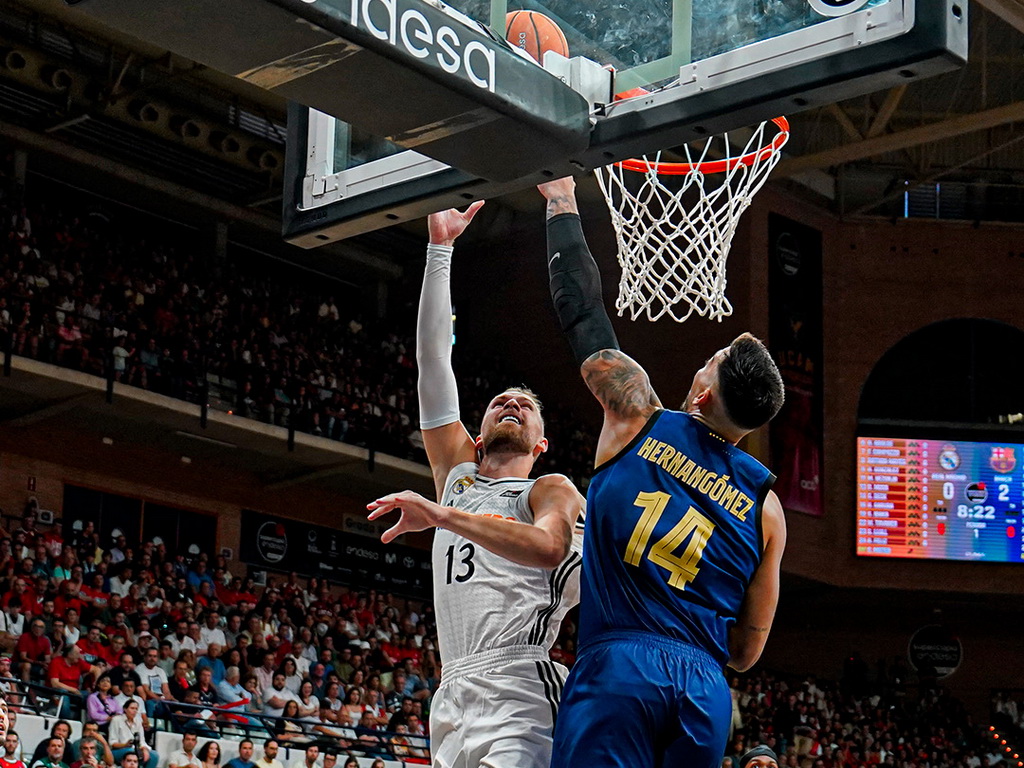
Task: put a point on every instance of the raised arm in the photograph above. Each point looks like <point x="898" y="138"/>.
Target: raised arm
<point x="616" y="380"/>
<point x="445" y="438"/>
<point x="750" y="632"/>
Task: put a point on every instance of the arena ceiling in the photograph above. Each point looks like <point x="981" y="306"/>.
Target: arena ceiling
<point x="862" y="157"/>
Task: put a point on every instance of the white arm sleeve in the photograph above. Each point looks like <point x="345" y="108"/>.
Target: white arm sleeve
<point x="438" y="393"/>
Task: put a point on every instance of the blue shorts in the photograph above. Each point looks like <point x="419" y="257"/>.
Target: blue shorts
<point x="636" y="699"/>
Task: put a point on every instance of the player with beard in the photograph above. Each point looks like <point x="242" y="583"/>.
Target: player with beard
<point x="505" y="559"/>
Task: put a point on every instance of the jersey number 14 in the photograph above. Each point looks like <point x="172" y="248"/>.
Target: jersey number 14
<point x="693" y="530"/>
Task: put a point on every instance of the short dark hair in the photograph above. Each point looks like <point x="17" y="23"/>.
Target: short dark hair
<point x="750" y="383"/>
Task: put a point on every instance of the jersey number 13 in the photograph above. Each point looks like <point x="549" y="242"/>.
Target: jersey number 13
<point x="693" y="531"/>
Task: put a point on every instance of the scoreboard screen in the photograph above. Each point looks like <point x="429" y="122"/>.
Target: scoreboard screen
<point x="940" y="499"/>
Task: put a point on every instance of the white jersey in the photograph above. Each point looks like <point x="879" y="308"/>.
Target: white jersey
<point x="482" y="600"/>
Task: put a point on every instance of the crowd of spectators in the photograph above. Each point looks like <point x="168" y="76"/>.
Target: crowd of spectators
<point x="134" y="633"/>
<point x="144" y="302"/>
<point x="815" y="724"/>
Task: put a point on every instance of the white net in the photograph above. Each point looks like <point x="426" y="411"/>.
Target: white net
<point x="674" y="238"/>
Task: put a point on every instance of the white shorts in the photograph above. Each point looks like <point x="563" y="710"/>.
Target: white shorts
<point x="496" y="709"/>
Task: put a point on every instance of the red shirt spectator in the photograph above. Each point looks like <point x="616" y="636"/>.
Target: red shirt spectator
<point x="64" y="602"/>
<point x="66" y="670"/>
<point x="24" y="591"/>
<point x="91" y="646"/>
<point x="34" y="646"/>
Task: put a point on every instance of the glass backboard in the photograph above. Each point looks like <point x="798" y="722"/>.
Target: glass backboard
<point x="709" y="66"/>
<point x="647" y="41"/>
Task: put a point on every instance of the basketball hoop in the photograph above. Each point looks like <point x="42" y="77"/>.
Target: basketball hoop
<point x="673" y="252"/>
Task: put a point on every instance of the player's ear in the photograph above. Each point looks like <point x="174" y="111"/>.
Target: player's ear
<point x="479" y="444"/>
<point x="541" y="447"/>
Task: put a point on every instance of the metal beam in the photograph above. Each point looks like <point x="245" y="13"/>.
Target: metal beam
<point x="1010" y="11"/>
<point x="845" y="122"/>
<point x="894" y="142"/>
<point x="886" y="111"/>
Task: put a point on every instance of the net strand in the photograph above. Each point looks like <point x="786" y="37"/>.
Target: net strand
<point x="673" y="253"/>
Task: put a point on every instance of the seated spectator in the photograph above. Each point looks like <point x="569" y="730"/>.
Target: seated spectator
<point x="129" y="693"/>
<point x="286" y="729"/>
<point x="92" y="731"/>
<point x="12" y="751"/>
<point x="113" y="653"/>
<point x="125" y="670"/>
<point x="8" y="689"/>
<point x="68" y="669"/>
<point x="209" y="754"/>
<point x="352" y="709"/>
<point x="403" y="748"/>
<point x="33" y="652"/>
<point x="309" y="705"/>
<point x="231" y="695"/>
<point x="292" y="678"/>
<point x="203" y="723"/>
<point x="61" y="731"/>
<point x="89" y="755"/>
<point x="204" y="687"/>
<point x="327" y="725"/>
<point x="212" y="661"/>
<point x="277" y="696"/>
<point x="101" y="705"/>
<point x="53" y="756"/>
<point x="256" y="704"/>
<point x="309" y="759"/>
<point x="127" y="735"/>
<point x="370" y="740"/>
<point x="12" y="624"/>
<point x="185" y="757"/>
<point x="269" y="757"/>
<point x="91" y="646"/>
<point x="244" y="759"/>
<point x="179" y="683"/>
<point x="267" y="669"/>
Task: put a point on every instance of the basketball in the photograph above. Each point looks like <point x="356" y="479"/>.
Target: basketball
<point x="535" y="33"/>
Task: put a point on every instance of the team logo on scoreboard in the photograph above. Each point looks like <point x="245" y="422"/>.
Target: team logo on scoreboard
<point x="976" y="493"/>
<point x="1002" y="460"/>
<point x="949" y="459"/>
<point x="837" y="7"/>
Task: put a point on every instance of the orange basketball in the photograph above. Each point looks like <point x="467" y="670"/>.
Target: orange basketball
<point x="535" y="33"/>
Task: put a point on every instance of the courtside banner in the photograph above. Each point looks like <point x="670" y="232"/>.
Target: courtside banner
<point x="342" y="557"/>
<point x="795" y="339"/>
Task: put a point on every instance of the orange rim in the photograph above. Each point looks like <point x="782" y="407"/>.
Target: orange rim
<point x="714" y="166"/>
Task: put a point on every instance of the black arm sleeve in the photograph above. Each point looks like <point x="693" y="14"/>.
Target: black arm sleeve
<point x="576" y="289"/>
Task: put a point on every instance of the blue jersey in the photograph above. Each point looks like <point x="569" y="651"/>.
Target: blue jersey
<point x="673" y="536"/>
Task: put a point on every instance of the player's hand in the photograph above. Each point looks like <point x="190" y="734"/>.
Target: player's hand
<point x="418" y="513"/>
<point x="445" y="226"/>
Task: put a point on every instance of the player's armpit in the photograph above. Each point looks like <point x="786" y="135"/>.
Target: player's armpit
<point x="447" y="446"/>
<point x="749" y="634"/>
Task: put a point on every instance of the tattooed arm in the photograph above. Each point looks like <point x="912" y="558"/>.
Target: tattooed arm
<point x="618" y="382"/>
<point x="625" y="392"/>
